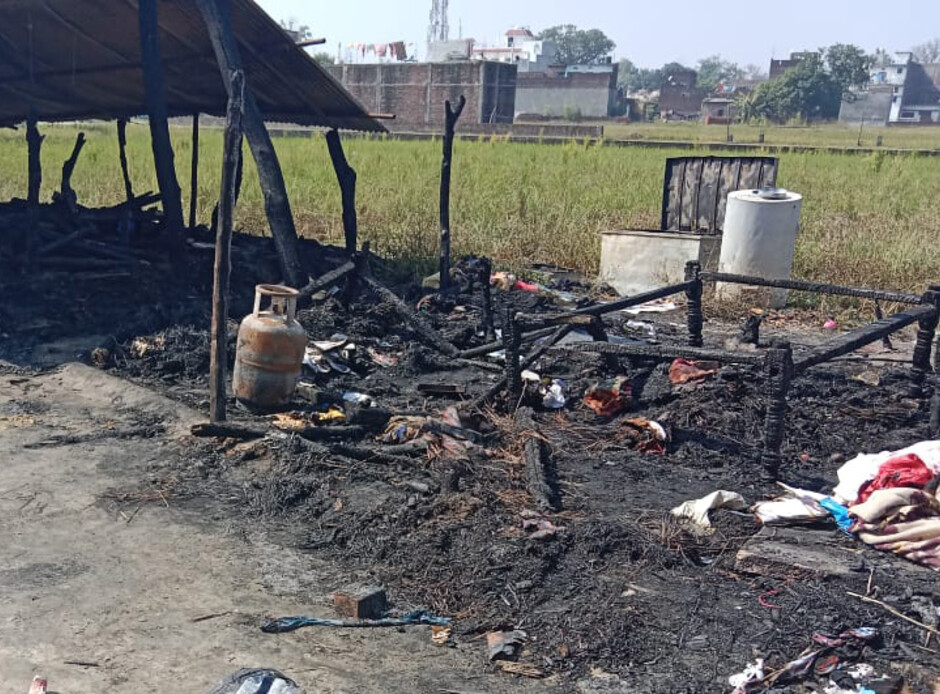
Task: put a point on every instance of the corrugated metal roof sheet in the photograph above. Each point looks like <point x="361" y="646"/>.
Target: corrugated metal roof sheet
<point x="74" y="59"/>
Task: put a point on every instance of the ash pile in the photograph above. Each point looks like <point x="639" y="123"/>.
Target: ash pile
<point x="561" y="484"/>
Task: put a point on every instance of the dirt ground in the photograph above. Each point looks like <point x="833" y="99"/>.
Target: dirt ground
<point x="157" y="555"/>
<point x="156" y="596"/>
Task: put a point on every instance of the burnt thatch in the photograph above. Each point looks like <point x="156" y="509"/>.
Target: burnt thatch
<point x="78" y="59"/>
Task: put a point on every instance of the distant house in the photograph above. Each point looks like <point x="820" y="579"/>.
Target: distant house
<point x="899" y="91"/>
<point x="778" y="67"/>
<point x="680" y="98"/>
<point x="522" y="49"/>
<point x="719" y="111"/>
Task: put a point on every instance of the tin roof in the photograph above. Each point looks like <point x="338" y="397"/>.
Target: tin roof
<point x="78" y="59"/>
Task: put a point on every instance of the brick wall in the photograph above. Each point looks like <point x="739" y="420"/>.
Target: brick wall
<point x="416" y="92"/>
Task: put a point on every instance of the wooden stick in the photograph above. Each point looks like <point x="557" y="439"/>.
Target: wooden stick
<point x="155" y="98"/>
<point x="68" y="168"/>
<point x="328" y="279"/>
<point x="450" y="121"/>
<point x="223" y="249"/>
<point x="217" y="17"/>
<point x="122" y="152"/>
<point x="346" y="176"/>
<point x="194" y="174"/>
<point x="865" y="598"/>
<point x="226" y="431"/>
<point x="34" y="183"/>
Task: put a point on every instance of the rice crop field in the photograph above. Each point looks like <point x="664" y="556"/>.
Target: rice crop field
<point x="869" y="220"/>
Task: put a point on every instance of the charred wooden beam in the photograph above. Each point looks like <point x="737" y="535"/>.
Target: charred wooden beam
<point x="155" y="98"/>
<point x="500" y="344"/>
<point x="619" y="305"/>
<point x="450" y="122"/>
<point x="778" y="372"/>
<point x="330" y="278"/>
<point x="694" y="317"/>
<point x="486" y="271"/>
<point x="226" y="431"/>
<point x="194" y="174"/>
<point x="346" y="176"/>
<point x="666" y="352"/>
<point x="122" y="154"/>
<point x="417" y="324"/>
<point x="222" y="269"/>
<point x="538" y="473"/>
<point x="513" y="333"/>
<point x="525" y="363"/>
<point x="815" y="287"/>
<point x="926" y="331"/>
<point x="851" y="341"/>
<point x="216" y="15"/>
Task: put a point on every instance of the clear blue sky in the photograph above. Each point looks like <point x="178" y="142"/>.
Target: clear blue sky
<point x="648" y="32"/>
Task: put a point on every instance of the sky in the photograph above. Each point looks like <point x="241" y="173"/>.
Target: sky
<point x="650" y="33"/>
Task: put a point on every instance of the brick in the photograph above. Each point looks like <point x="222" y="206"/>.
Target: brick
<point x="361" y="602"/>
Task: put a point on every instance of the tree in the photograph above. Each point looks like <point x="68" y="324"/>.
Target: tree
<point x="298" y="32"/>
<point x="928" y="52"/>
<point x="713" y="71"/>
<point x="807" y="91"/>
<point x="324" y="58"/>
<point x="848" y="65"/>
<point x="578" y="46"/>
<point x="754" y="72"/>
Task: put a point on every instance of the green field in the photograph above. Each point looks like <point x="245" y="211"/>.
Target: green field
<point x="867" y="219"/>
<point x="820" y="135"/>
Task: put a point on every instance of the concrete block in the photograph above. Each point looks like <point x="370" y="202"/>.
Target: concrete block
<point x="361" y="602"/>
<point x="638" y="261"/>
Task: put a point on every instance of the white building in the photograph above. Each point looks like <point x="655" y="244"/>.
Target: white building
<point x="521" y="48"/>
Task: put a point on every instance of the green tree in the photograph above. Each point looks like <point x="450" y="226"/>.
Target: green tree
<point x="578" y="46"/>
<point x="848" y="65"/>
<point x="324" y="58"/>
<point x="807" y="91"/>
<point x="713" y="71"/>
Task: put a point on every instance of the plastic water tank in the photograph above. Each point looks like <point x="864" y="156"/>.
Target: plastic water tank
<point x="758" y="240"/>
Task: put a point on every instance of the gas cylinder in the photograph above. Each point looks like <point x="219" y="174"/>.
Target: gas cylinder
<point x="270" y="350"/>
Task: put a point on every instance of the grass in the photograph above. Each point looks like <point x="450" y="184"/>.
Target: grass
<point x="818" y="135"/>
<point x="869" y="220"/>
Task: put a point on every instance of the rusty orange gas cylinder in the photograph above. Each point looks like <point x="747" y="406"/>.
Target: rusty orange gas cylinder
<point x="270" y="350"/>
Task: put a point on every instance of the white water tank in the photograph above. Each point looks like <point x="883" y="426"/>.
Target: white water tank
<point x="758" y="240"/>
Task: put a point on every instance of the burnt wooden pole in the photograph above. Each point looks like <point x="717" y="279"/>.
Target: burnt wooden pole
<point x="346" y="176"/>
<point x="122" y="153"/>
<point x="218" y="358"/>
<point x="194" y="174"/>
<point x="926" y="330"/>
<point x="217" y="17"/>
<point x="157" y="116"/>
<point x="693" y="295"/>
<point x="778" y="371"/>
<point x="450" y="121"/>
<point x="34" y="183"/>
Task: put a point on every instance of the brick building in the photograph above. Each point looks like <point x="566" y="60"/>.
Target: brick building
<point x="415" y="92"/>
<point x="680" y="98"/>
